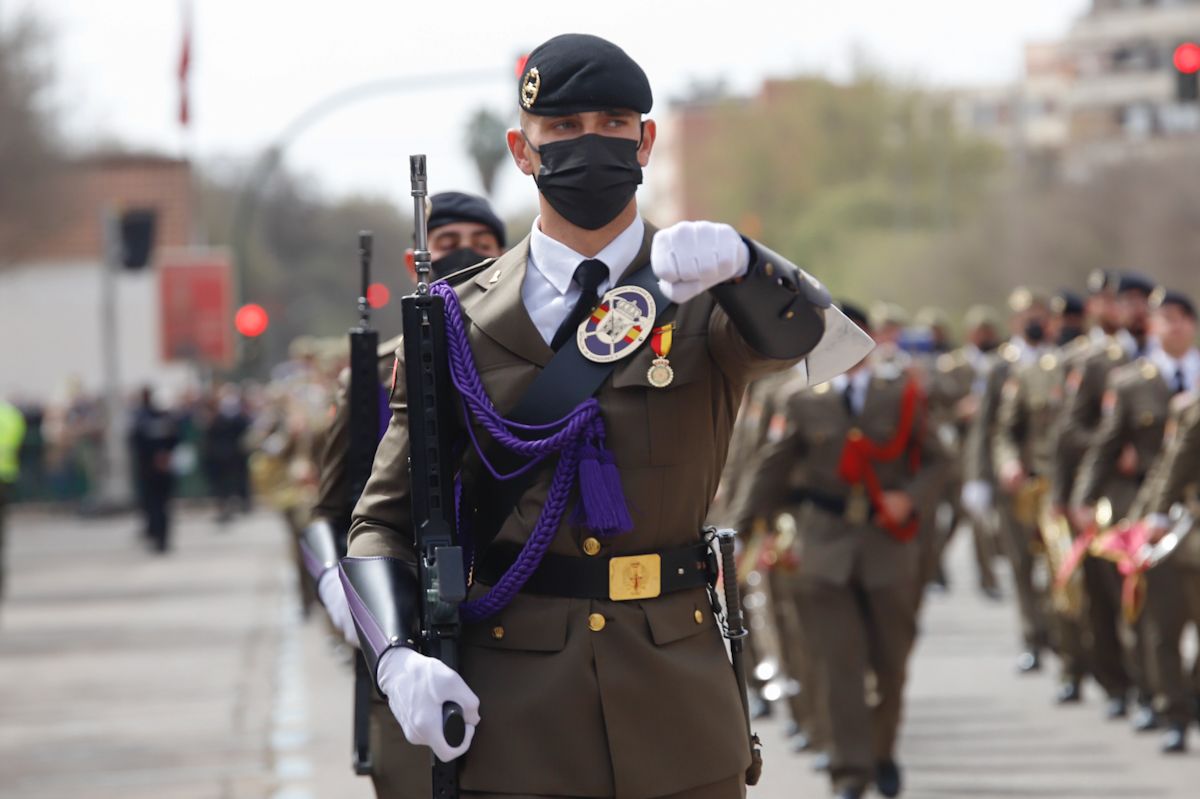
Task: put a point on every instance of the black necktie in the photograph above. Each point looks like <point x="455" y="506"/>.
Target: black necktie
<point x="1180" y="386"/>
<point x="588" y="275"/>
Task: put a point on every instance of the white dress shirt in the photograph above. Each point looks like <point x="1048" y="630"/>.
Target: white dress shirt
<point x="549" y="291"/>
<point x="856" y="384"/>
<point x="1168" y="367"/>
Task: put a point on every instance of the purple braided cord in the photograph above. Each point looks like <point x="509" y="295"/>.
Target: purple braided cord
<point x="576" y="427"/>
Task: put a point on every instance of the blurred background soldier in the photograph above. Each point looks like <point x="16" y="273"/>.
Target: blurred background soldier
<point x="955" y="384"/>
<point x="153" y="436"/>
<point x="1029" y="312"/>
<point x="463" y="230"/>
<point x="1113" y="668"/>
<point x="1135" y="409"/>
<point x="867" y="472"/>
<point x="12" y="433"/>
<point x="1173" y="586"/>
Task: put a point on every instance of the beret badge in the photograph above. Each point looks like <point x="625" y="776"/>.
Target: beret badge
<point x="530" y="87"/>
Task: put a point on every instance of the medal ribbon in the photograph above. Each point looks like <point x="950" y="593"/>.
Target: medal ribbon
<point x="861" y="453"/>
<point x="660" y="339"/>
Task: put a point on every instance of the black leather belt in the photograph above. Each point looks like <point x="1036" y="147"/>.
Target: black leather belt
<point x="830" y="503"/>
<point x="625" y="577"/>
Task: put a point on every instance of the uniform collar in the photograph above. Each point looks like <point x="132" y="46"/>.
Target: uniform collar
<point x="1167" y="366"/>
<point x="556" y="262"/>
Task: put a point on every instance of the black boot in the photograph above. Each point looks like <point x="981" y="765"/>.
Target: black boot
<point x="1029" y="661"/>
<point x="1174" y="740"/>
<point x="1145" y="720"/>
<point x="887" y="778"/>
<point x="1115" y="709"/>
<point x="1069" y="693"/>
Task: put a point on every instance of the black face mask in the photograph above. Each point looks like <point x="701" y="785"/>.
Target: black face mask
<point x="987" y="345"/>
<point x="456" y="261"/>
<point x="1069" y="334"/>
<point x="1035" y="332"/>
<point x="589" y="179"/>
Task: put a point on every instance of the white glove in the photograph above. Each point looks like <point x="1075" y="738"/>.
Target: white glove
<point x="416" y="687"/>
<point x="977" y="498"/>
<point x="333" y="597"/>
<point x="689" y="258"/>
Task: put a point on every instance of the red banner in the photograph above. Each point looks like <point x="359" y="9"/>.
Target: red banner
<point x="196" y="306"/>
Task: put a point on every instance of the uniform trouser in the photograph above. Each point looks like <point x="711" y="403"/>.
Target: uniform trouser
<point x="1017" y="539"/>
<point x="399" y="770"/>
<point x="306" y="586"/>
<point x="729" y="788"/>
<point x="1109" y="663"/>
<point x="1172" y="601"/>
<point x="156" y="515"/>
<point x="797" y="654"/>
<point x="856" y="630"/>
<point x="1070" y="645"/>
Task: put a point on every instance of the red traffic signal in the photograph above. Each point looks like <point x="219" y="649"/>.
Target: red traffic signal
<point x="378" y="295"/>
<point x="251" y="320"/>
<point x="1187" y="58"/>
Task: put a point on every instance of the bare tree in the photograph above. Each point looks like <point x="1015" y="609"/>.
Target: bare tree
<point x="29" y="148"/>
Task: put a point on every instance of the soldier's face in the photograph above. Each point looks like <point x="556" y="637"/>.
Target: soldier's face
<point x="1174" y="328"/>
<point x="456" y="235"/>
<point x="539" y="130"/>
<point x="1135" y="309"/>
<point x="1103" y="309"/>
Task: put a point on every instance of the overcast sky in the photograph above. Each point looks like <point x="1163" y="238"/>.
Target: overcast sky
<point x="257" y="64"/>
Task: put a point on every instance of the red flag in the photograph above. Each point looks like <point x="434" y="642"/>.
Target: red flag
<point x="185" y="65"/>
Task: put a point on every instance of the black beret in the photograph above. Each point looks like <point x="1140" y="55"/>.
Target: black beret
<point x="1100" y="280"/>
<point x="576" y="72"/>
<point x="449" y="207"/>
<point x="855" y="314"/>
<point x="1066" y="302"/>
<point x="1132" y="281"/>
<point x="1164" y="296"/>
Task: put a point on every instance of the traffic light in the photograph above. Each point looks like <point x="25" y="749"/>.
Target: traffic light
<point x="1187" y="67"/>
<point x="137" y="229"/>
<point x="251" y="320"/>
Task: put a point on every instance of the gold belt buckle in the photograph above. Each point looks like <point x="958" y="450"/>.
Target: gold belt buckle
<point x="634" y="577"/>
<point x="858" y="506"/>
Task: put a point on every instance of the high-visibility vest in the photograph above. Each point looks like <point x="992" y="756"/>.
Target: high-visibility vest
<point x="12" y="431"/>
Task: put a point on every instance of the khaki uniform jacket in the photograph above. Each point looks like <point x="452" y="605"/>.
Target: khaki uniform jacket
<point x="1134" y="411"/>
<point x="1030" y="403"/>
<point x="978" y="461"/>
<point x="817" y="422"/>
<point x="647" y="705"/>
<point x="1088" y="370"/>
<point x="1176" y="475"/>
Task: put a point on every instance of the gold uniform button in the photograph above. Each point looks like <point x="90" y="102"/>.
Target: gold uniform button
<point x="591" y="546"/>
<point x="699" y="616"/>
<point x="596" y="622"/>
<point x="497" y="632"/>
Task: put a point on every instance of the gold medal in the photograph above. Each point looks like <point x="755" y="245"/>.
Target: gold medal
<point x="660" y="374"/>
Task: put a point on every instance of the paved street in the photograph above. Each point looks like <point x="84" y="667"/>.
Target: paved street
<point x="126" y="675"/>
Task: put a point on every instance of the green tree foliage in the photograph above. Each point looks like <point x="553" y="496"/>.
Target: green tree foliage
<point x="859" y="180"/>
<point x="485" y="144"/>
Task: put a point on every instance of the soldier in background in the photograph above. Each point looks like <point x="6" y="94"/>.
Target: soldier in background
<point x="1029" y="312"/>
<point x="463" y="230"/>
<point x="857" y="551"/>
<point x="1113" y="668"/>
<point x="1173" y="586"/>
<point x="955" y="384"/>
<point x="1135" y="408"/>
<point x="1030" y="407"/>
<point x="12" y="433"/>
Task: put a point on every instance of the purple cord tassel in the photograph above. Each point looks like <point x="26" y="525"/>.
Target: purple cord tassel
<point x="600" y="492"/>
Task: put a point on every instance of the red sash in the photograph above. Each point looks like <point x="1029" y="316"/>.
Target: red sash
<point x="860" y="455"/>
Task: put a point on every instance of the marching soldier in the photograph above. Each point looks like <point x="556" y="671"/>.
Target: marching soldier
<point x="869" y="466"/>
<point x="590" y="661"/>
<point x="955" y="385"/>
<point x="1135" y="410"/>
<point x="463" y="230"/>
<point x="1029" y="313"/>
<point x="1173" y="598"/>
<point x="1030" y="405"/>
<point x="1086" y="385"/>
